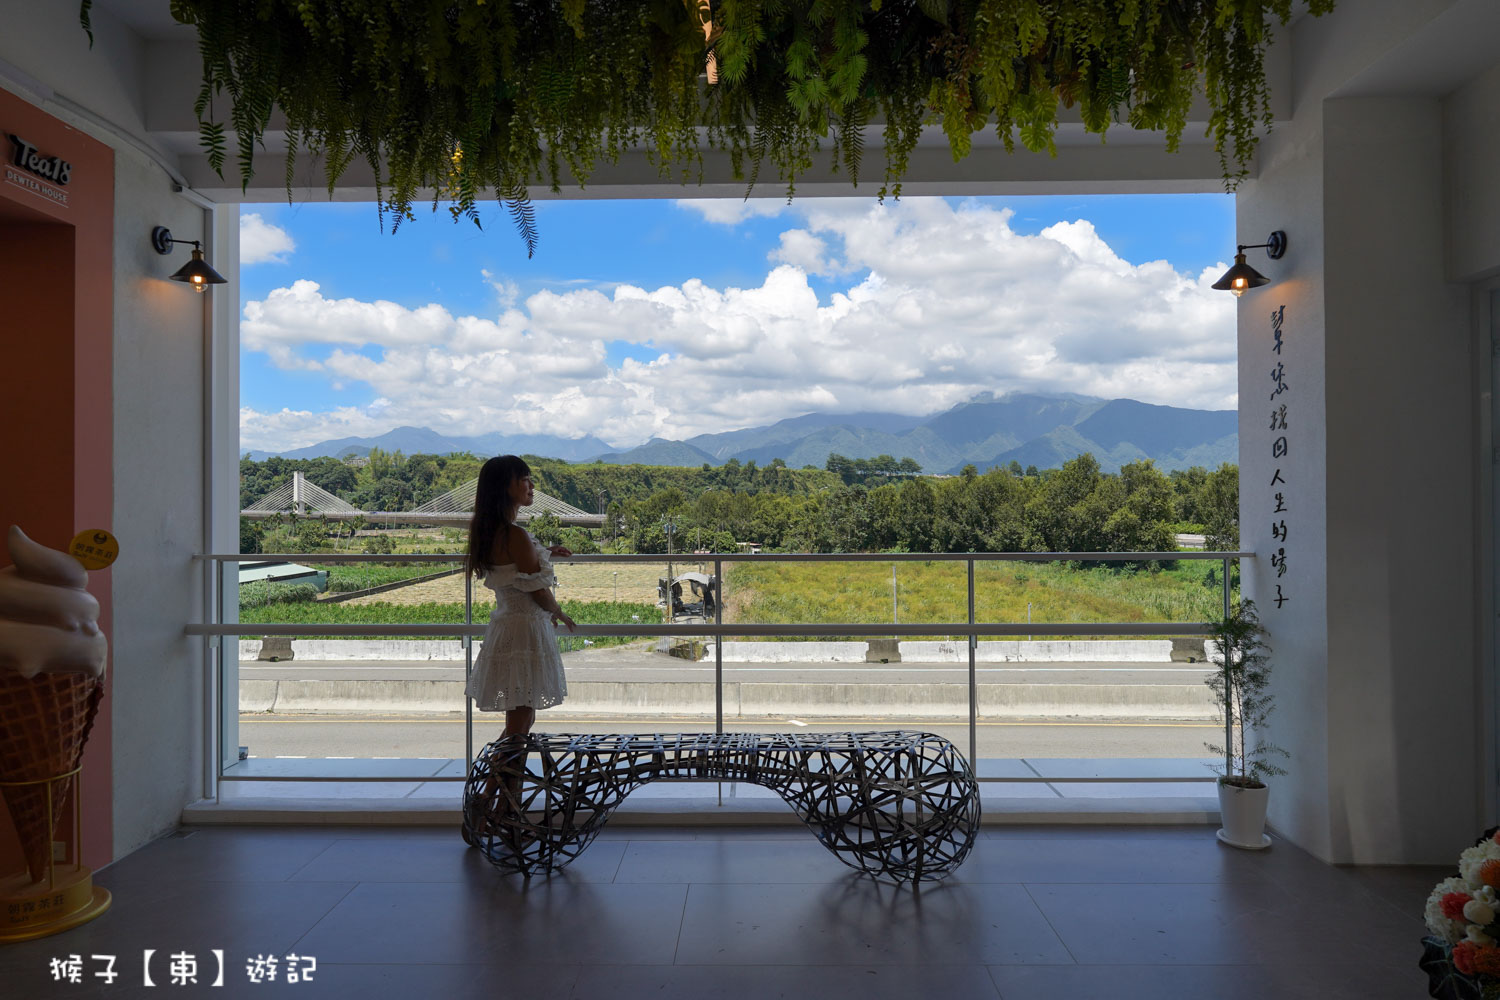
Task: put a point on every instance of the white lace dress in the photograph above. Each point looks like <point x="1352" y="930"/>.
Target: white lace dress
<point x="518" y="664"/>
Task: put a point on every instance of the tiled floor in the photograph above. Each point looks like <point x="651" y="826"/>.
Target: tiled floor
<point x="703" y="912"/>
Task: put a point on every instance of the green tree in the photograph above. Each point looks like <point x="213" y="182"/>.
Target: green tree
<point x="311" y="534"/>
<point x="1219" y="508"/>
<point x="250" y="536"/>
<point x="546" y="528"/>
<point x="917" y="512"/>
<point x="380" y="544"/>
<point x="579" y="540"/>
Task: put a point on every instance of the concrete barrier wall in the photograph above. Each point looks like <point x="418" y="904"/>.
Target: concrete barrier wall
<point x="1050" y="651"/>
<point x="792" y="652"/>
<point x="366" y="649"/>
<point x="1190" y="701"/>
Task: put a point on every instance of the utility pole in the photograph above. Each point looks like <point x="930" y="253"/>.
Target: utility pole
<point x="668" y="527"/>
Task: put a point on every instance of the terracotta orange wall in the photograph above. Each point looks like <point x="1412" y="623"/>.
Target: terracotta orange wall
<point x="57" y="402"/>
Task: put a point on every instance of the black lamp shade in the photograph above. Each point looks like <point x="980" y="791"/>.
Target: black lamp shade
<point x="197" y="273"/>
<point x="1240" y="277"/>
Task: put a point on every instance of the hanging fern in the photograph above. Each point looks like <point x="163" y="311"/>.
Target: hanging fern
<point x="542" y="92"/>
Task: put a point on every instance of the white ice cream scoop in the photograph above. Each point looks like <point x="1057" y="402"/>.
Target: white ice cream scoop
<point x="48" y="621"/>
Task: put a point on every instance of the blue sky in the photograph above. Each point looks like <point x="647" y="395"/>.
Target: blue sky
<point x="668" y="247"/>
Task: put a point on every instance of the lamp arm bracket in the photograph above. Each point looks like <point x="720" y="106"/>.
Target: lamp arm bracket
<point x="1275" y="247"/>
<point x="161" y="240"/>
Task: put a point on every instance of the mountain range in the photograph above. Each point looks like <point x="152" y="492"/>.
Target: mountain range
<point x="1028" y="428"/>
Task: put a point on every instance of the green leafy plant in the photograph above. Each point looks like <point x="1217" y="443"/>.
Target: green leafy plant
<point x="1241" y="685"/>
<point x="458" y="98"/>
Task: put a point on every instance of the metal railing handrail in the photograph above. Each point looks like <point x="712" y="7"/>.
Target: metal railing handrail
<point x="970" y="630"/>
<point x="707" y="629"/>
<point x="687" y="557"/>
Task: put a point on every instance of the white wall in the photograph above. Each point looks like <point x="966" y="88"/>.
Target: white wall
<point x="1386" y="201"/>
<point x="43" y="41"/>
<point x="1288" y="195"/>
<point x="158" y="398"/>
<point x="159" y="475"/>
<point x="1401" y="493"/>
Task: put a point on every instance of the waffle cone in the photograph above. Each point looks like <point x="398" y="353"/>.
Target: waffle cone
<point x="44" y="721"/>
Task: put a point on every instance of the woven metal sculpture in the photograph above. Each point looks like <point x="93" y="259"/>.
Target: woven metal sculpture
<point x="897" y="805"/>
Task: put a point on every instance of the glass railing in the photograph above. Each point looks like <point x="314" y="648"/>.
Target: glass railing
<point x="1060" y="674"/>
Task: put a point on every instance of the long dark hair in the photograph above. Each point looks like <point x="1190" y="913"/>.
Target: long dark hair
<point x="492" y="508"/>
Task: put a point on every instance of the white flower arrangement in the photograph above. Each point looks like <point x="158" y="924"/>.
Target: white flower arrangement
<point x="1463" y="915"/>
<point x="1451" y="931"/>
<point x="1471" y="860"/>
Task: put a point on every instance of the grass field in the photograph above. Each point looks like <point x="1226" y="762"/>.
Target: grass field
<point x="345" y="579"/>
<point x="768" y="592"/>
<point x="311" y="612"/>
<point x="765" y="591"/>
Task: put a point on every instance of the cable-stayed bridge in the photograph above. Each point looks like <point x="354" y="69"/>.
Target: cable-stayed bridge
<point x="301" y="498"/>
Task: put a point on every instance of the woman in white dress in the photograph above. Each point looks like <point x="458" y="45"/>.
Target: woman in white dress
<point x="518" y="669"/>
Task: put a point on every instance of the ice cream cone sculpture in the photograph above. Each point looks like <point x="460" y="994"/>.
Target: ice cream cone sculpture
<point x="52" y="658"/>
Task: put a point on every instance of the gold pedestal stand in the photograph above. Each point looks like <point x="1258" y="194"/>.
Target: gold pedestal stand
<point x="66" y="898"/>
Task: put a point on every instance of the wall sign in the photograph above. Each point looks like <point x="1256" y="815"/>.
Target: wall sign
<point x="32" y="170"/>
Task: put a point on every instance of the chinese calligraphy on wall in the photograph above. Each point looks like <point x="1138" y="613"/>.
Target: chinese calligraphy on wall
<point x="1281" y="393"/>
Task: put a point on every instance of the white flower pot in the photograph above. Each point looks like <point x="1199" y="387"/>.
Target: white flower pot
<point x="1243" y="813"/>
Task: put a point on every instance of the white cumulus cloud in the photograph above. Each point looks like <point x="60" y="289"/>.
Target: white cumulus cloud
<point x="733" y="211"/>
<point x="937" y="302"/>
<point x="260" y="241"/>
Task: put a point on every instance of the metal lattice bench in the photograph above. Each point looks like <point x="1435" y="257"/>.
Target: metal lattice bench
<point x="897" y="805"/>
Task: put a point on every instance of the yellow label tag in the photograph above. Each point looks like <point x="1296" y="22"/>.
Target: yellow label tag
<point x="95" y="548"/>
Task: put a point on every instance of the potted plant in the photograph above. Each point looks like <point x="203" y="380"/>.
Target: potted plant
<point x="1240" y="685"/>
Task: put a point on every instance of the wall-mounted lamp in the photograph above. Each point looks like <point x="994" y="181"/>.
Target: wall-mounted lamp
<point x="1242" y="276"/>
<point x="195" y="272"/>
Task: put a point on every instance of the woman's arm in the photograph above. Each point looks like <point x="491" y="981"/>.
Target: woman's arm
<point x="527" y="562"/>
<point x="549" y="604"/>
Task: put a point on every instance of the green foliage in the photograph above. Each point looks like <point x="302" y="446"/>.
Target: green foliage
<point x="770" y="592"/>
<point x="889" y="507"/>
<point x="1218" y="507"/>
<point x="459" y="99"/>
<point x="880" y="468"/>
<point x="260" y="593"/>
<point x="546" y="528"/>
<point x="318" y="613"/>
<point x="379" y="545"/>
<point x="250" y="536"/>
<point x="346" y="579"/>
<point x="1242" y="687"/>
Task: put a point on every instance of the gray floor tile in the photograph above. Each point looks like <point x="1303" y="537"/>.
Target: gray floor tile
<point x="542" y="921"/>
<point x="794" y="982"/>
<point x="861" y="922"/>
<point x="1215" y="982"/>
<point x="445" y="859"/>
<point x="752" y="911"/>
<point x="374" y="982"/>
<point x="238" y="918"/>
<point x="1231" y="923"/>
<point x="1405" y="887"/>
<point x="1094" y="831"/>
<point x="1058" y="858"/>
<point x="223" y="854"/>
<point x="749" y="861"/>
<point x="787" y="832"/>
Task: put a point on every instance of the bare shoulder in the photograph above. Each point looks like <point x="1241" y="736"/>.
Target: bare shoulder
<point x="521" y="550"/>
